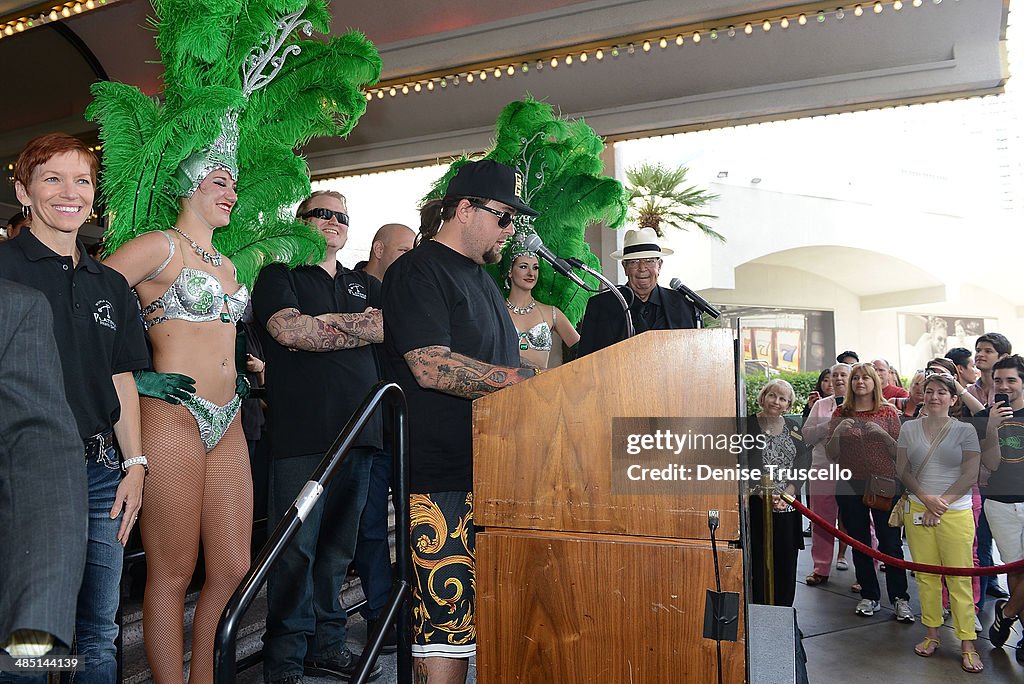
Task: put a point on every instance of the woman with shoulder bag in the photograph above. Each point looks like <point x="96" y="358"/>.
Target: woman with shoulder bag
<point x="937" y="459"/>
<point x="862" y="438"/>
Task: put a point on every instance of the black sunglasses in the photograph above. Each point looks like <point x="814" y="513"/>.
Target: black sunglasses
<point x="326" y="214"/>
<point x="504" y="217"/>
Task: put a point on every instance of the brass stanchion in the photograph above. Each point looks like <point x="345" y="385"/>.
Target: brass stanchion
<point x="769" y="540"/>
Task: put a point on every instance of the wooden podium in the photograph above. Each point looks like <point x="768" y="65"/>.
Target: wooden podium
<point x="576" y="583"/>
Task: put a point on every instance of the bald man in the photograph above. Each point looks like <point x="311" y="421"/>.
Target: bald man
<point x="391" y="241"/>
<point x="372" y="560"/>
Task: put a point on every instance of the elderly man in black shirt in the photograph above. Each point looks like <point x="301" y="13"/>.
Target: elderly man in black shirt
<point x="317" y="325"/>
<point x="651" y="307"/>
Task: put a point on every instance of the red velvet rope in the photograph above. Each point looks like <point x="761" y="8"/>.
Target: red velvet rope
<point x="1016" y="566"/>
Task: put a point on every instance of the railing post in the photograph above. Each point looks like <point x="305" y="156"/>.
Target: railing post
<point x="224" y="658"/>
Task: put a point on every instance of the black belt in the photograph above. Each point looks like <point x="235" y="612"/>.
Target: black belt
<point x="98" y="443"/>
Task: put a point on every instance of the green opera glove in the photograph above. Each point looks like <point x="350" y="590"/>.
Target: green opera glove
<point x="242" y="386"/>
<point x="170" y="387"/>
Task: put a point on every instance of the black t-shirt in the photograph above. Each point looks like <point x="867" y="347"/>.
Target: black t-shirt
<point x="96" y="324"/>
<point x="1007" y="483"/>
<point x="312" y="395"/>
<point x="434" y="296"/>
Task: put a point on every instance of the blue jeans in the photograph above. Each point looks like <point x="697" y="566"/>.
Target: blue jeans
<point x="304" y="614"/>
<point x="96" y="615"/>
<point x="373" y="553"/>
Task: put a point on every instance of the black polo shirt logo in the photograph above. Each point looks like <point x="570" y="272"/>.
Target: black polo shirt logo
<point x="357" y="290"/>
<point x="104" y="314"/>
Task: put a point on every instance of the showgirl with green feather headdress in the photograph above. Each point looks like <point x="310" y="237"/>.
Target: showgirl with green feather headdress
<point x="560" y="162"/>
<point x="198" y="184"/>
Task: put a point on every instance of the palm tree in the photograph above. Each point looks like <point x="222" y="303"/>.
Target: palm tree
<point x="655" y="199"/>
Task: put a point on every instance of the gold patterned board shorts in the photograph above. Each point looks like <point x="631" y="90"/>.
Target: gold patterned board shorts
<point x="443" y="558"/>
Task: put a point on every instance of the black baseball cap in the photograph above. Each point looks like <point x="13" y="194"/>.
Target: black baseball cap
<point x="490" y="180"/>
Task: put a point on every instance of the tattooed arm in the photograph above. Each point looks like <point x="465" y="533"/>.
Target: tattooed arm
<point x="328" y="332"/>
<point x="368" y="325"/>
<point x="439" y="368"/>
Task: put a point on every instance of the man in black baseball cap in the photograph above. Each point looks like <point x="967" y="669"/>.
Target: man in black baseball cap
<point x="449" y="339"/>
<point x="491" y="180"/>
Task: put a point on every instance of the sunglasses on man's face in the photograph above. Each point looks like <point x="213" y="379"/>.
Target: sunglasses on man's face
<point x="326" y="214"/>
<point x="504" y="217"/>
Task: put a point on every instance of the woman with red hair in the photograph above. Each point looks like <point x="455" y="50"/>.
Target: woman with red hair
<point x="100" y="340"/>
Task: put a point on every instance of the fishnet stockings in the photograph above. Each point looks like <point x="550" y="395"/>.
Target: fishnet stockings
<point x="190" y="495"/>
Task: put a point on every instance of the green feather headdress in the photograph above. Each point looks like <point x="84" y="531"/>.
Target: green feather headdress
<point x="224" y="59"/>
<point x="560" y="161"/>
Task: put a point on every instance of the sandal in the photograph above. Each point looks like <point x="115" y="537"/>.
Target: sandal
<point x="841" y="564"/>
<point x="971" y="662"/>
<point x="928" y="647"/>
<point x="855" y="587"/>
<point x="814" y="579"/>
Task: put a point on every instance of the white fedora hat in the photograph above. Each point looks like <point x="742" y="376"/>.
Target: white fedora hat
<point x="641" y="244"/>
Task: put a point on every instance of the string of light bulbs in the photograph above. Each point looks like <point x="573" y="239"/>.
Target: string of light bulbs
<point x="644" y="43"/>
<point x="41" y="15"/>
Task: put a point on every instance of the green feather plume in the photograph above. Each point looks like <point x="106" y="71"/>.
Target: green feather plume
<point x="204" y="45"/>
<point x="560" y="161"/>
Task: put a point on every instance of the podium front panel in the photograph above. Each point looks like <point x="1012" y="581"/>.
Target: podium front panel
<point x="552" y="608"/>
<point x="542" y="448"/>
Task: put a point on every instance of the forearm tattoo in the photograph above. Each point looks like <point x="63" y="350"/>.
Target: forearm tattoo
<point x="441" y="369"/>
<point x="368" y="325"/>
<point x="297" y="331"/>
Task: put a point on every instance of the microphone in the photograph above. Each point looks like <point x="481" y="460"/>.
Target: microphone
<point x="695" y="299"/>
<point x="534" y="244"/>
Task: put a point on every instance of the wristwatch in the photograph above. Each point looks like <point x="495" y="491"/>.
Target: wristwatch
<point x="138" y="460"/>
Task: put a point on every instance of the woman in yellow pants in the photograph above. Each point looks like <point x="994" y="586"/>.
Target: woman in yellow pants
<point x="937" y="459"/>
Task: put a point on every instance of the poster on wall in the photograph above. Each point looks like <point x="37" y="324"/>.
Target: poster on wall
<point x="748" y="344"/>
<point x="763" y="344"/>
<point x="924" y="336"/>
<point x="787" y="350"/>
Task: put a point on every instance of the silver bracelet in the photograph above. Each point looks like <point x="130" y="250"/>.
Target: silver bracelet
<point x="138" y="460"/>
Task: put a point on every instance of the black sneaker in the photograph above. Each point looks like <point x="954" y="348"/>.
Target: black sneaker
<point x="339" y="666"/>
<point x="290" y="679"/>
<point x="999" y="632"/>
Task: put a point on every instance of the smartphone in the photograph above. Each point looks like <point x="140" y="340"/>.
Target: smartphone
<point x="1005" y="398"/>
<point x="839" y="401"/>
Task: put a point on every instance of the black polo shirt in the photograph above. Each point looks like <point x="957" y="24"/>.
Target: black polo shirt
<point x="434" y="296"/>
<point x="96" y="324"/>
<point x="312" y="395"/>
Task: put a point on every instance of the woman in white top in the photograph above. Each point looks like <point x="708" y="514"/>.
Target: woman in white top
<point x="939" y="522"/>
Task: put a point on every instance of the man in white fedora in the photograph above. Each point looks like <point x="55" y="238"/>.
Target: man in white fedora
<point x="651" y="306"/>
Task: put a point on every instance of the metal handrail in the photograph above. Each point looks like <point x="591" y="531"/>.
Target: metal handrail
<point x="224" y="655"/>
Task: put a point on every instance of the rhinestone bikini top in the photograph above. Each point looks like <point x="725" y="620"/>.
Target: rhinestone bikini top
<point x="195" y="296"/>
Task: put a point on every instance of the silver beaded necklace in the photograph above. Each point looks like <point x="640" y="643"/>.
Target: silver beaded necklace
<point x="214" y="258"/>
<point x="521" y="310"/>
